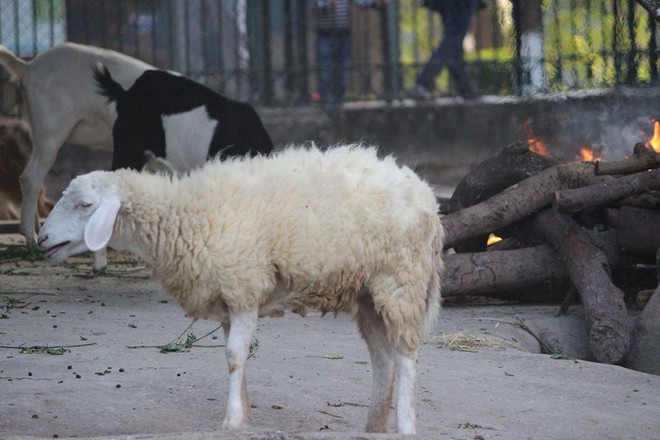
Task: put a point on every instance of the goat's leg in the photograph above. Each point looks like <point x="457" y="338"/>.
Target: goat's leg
<point x="382" y="357"/>
<point x="46" y="143"/>
<point x="32" y="178"/>
<point x="406" y="383"/>
<point x="238" y="336"/>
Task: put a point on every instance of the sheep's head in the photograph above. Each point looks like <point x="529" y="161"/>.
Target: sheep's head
<point x="82" y="219"/>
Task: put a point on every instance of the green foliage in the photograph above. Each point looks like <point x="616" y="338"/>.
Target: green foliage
<point x="55" y="351"/>
<point x="11" y="252"/>
<point x="178" y="345"/>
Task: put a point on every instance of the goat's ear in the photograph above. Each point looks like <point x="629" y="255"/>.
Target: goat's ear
<point x="99" y="227"/>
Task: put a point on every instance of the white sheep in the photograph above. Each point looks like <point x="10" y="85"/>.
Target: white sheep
<point x="63" y="105"/>
<point x="340" y="230"/>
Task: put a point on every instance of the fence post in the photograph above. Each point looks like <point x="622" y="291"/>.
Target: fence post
<point x="392" y="66"/>
<point x="528" y="21"/>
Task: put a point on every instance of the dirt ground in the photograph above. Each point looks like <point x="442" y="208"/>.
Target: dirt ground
<point x="480" y="374"/>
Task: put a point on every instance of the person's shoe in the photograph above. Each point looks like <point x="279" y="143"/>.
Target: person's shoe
<point x="420" y="93"/>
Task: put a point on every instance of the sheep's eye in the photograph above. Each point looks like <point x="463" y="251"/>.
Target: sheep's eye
<point x="83" y="205"/>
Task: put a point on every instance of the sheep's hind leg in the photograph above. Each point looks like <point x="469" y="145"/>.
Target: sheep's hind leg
<point x="382" y="357"/>
<point x="406" y="384"/>
<point x="238" y="335"/>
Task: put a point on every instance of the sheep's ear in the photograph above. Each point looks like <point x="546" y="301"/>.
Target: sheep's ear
<point x="99" y="227"/>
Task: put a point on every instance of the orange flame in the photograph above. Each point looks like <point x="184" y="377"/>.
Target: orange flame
<point x="535" y="144"/>
<point x="654" y="142"/>
<point x="588" y="154"/>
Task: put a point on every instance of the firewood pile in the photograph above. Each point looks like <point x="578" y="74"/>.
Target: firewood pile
<point x="590" y="226"/>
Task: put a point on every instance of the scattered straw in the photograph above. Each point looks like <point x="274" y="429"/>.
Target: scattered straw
<point x="471" y="342"/>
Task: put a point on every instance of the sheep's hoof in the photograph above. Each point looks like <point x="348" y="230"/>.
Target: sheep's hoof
<point x="232" y="425"/>
<point x="238" y="420"/>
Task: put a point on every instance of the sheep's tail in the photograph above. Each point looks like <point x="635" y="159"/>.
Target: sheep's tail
<point x="108" y="87"/>
<point x="14" y="65"/>
<point x="433" y="296"/>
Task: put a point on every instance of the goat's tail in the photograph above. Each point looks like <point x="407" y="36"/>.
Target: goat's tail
<point x="12" y="64"/>
<point x="107" y="86"/>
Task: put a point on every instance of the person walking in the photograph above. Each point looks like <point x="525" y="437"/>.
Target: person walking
<point x="333" y="47"/>
<point x="456" y="16"/>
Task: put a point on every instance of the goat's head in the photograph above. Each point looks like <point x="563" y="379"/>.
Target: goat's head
<point x="82" y="219"/>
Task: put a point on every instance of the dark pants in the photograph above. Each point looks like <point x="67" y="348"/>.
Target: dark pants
<point x="333" y="52"/>
<point x="456" y="16"/>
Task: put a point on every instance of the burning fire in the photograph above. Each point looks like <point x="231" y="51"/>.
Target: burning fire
<point x="654" y="142"/>
<point x="588" y="154"/>
<point x="492" y="239"/>
<point x="535" y="144"/>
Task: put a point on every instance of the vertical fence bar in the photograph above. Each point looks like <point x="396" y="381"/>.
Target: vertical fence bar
<point x="120" y="20"/>
<point x="238" y="66"/>
<point x="652" y="49"/>
<point x="51" y="19"/>
<point x="559" y="61"/>
<point x="631" y="68"/>
<point x="589" y="41"/>
<point x="616" y="40"/>
<point x="186" y="32"/>
<point x="575" y="56"/>
<point x="17" y="34"/>
<point x="393" y="73"/>
<point x="289" y="62"/>
<point x="35" y="36"/>
<point x="267" y="86"/>
<point x="517" y="64"/>
<point x="221" y="44"/>
<point x="154" y="36"/>
<point x="303" y="59"/>
<point x="205" y="37"/>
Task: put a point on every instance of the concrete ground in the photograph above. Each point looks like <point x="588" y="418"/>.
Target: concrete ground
<point x="480" y="376"/>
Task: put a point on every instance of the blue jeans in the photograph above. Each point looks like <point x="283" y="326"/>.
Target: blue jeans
<point x="456" y="16"/>
<point x="333" y="56"/>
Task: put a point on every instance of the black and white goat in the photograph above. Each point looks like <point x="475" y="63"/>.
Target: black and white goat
<point x="180" y="120"/>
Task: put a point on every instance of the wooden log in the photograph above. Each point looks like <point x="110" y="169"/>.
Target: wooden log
<point x="638" y="231"/>
<point x="605" y="310"/>
<point x="642" y="159"/>
<point x="481" y="273"/>
<point x="491" y="176"/>
<point x="605" y="193"/>
<point x="492" y="272"/>
<point x="517" y="202"/>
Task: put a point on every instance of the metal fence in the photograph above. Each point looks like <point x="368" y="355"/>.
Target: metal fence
<point x="263" y="51"/>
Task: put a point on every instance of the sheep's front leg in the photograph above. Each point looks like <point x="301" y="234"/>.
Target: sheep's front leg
<point x="238" y="336"/>
<point x="100" y="262"/>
